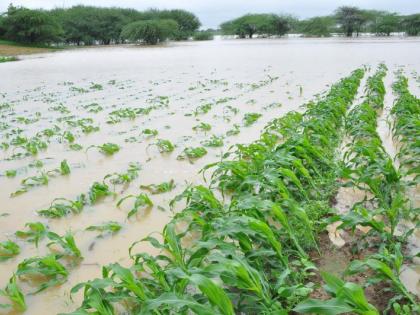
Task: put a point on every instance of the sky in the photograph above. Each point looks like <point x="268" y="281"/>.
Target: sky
<point x="214" y="12"/>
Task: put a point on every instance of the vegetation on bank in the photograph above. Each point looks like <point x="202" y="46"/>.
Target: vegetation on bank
<point x="86" y="25"/>
<point x="345" y="20"/>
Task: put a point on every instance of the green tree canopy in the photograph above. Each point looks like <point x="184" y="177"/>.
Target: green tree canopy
<point x="150" y="31"/>
<point x="351" y="19"/>
<point x="411" y="24"/>
<point x="250" y="24"/>
<point x="321" y="26"/>
<point x="30" y="26"/>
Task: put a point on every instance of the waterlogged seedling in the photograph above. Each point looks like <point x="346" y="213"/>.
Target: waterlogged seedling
<point x="98" y="191"/>
<point x="8" y="249"/>
<point x="93" y="108"/>
<point x="164" y="146"/>
<point x="141" y="200"/>
<point x="42" y="179"/>
<point x="61" y="207"/>
<point x="250" y="118"/>
<point x="35" y="232"/>
<point x="96" y="86"/>
<point x="159" y="188"/>
<point x="203" y="109"/>
<point x="38" y="180"/>
<point x="192" y="153"/>
<point x="75" y="147"/>
<point x="124" y="178"/>
<point x="127" y="113"/>
<point x="234" y="131"/>
<point x="67" y="244"/>
<point x="150" y="132"/>
<point x="11" y="173"/>
<point x="107" y="227"/>
<point x="106" y="148"/>
<point x="202" y="127"/>
<point x="47" y="268"/>
<point x="214" y="141"/>
<point x="14" y="294"/>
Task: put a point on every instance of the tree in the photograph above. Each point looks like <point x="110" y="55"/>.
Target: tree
<point x="411" y="24"/>
<point x="31" y="26"/>
<point x="320" y="26"/>
<point x="351" y="19"/>
<point x="250" y="24"/>
<point x="149" y="31"/>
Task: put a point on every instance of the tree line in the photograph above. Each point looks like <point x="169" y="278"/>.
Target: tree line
<point x="346" y="20"/>
<point x="87" y="25"/>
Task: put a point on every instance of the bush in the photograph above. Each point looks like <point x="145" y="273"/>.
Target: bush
<point x="203" y="35"/>
<point x="150" y="31"/>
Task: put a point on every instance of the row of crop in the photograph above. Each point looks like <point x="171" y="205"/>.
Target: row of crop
<point x="368" y="167"/>
<point x="406" y="127"/>
<point x="249" y="253"/>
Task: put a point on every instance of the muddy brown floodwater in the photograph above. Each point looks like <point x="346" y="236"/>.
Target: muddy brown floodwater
<point x="270" y="77"/>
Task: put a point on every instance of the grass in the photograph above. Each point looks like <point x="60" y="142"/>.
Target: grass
<point x="11" y="49"/>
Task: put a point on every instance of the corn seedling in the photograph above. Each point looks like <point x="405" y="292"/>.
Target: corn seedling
<point x="164" y="146"/>
<point x="106" y="148"/>
<point x="159" y="188"/>
<point x="15" y="295"/>
<point x="35" y="232"/>
<point x="250" y="118"/>
<point x="8" y="249"/>
<point x="214" y="141"/>
<point x="52" y="272"/>
<point x="107" y="227"/>
<point x="191" y="153"/>
<point x="67" y="244"/>
<point x="140" y="201"/>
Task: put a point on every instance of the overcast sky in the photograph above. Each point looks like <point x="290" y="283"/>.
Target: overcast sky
<point x="214" y="12"/>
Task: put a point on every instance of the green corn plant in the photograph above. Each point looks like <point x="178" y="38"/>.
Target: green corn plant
<point x="214" y="141"/>
<point x="35" y="232"/>
<point x="159" y="188"/>
<point x="203" y="109"/>
<point x="106" y="148"/>
<point x="202" y="127"/>
<point x="27" y="183"/>
<point x="164" y="146"/>
<point x="48" y="267"/>
<point x="386" y="266"/>
<point x="98" y="191"/>
<point x="192" y="153"/>
<point x="66" y="242"/>
<point x="124" y="178"/>
<point x="150" y="132"/>
<point x="347" y="297"/>
<point x="250" y="118"/>
<point x="62" y="207"/>
<point x="234" y="131"/>
<point x="8" y="249"/>
<point x="107" y="227"/>
<point x="14" y="294"/>
<point x="141" y="200"/>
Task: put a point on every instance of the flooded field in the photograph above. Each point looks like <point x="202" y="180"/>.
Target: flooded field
<point x="208" y="95"/>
